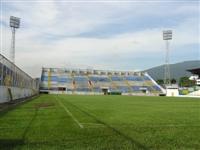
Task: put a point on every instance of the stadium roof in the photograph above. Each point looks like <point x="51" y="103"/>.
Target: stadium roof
<point x="195" y="71"/>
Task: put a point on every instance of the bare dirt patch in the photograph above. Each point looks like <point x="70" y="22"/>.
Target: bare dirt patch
<point x="43" y="105"/>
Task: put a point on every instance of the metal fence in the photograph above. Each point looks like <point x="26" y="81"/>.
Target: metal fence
<point x="12" y="76"/>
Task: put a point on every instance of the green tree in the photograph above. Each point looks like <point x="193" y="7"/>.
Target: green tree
<point x="173" y="81"/>
<point x="185" y="82"/>
<point x="160" y="81"/>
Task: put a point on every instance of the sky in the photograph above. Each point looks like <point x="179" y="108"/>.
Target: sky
<point x="99" y="34"/>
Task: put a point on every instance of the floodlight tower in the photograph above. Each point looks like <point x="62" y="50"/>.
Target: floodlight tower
<point x="14" y="24"/>
<point x="167" y="35"/>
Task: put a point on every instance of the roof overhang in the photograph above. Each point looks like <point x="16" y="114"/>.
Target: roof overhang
<point x="195" y="71"/>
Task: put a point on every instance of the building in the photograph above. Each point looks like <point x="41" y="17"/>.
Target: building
<point x="196" y="78"/>
<point x="196" y="75"/>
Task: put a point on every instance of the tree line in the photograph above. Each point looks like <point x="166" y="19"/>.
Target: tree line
<point x="183" y="82"/>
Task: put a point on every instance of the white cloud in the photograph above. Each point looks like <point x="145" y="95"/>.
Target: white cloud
<point x="64" y="20"/>
<point x="84" y="51"/>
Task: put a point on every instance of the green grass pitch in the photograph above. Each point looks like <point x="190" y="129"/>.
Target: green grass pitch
<point x="102" y="122"/>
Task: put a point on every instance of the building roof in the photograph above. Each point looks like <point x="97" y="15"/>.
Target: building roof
<point x="195" y="71"/>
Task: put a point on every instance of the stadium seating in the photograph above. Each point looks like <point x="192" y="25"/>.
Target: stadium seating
<point x="95" y="81"/>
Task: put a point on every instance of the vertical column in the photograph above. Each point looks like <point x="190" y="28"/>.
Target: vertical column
<point x="49" y="79"/>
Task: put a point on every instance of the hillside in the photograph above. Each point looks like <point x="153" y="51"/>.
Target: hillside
<point x="177" y="70"/>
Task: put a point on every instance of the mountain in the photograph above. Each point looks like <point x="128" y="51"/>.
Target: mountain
<point x="177" y="70"/>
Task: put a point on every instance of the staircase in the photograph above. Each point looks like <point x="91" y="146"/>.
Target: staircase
<point x="90" y="85"/>
<point x="114" y="85"/>
<point x="73" y="83"/>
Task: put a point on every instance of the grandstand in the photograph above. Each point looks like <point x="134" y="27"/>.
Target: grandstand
<point x="15" y="83"/>
<point x="195" y="77"/>
<point x="80" y="81"/>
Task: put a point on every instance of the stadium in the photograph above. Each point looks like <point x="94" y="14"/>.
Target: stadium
<point x="55" y="80"/>
<point x="63" y="107"/>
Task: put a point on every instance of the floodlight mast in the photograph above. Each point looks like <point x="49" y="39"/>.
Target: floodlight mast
<point x="14" y="24"/>
<point x="167" y="35"/>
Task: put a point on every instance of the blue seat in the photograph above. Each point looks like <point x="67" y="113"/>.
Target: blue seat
<point x="136" y="88"/>
<point x="80" y="79"/>
<point x="65" y="80"/>
<point x="116" y="78"/>
<point x="146" y="78"/>
<point x="133" y="78"/>
<point x="124" y="89"/>
<point x="99" y="79"/>
<point x="156" y="88"/>
<point x="52" y="78"/>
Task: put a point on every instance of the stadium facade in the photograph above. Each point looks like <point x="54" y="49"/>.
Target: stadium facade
<point x="195" y="77"/>
<point x="15" y="83"/>
<point x="80" y="81"/>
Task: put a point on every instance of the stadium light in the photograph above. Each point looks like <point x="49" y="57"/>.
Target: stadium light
<point x="14" y="24"/>
<point x="167" y="35"/>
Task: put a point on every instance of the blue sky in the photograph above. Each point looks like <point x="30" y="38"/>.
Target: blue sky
<point x="114" y="35"/>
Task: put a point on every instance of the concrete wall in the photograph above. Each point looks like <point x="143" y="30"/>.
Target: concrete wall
<point x="16" y="93"/>
<point x="78" y="93"/>
<point x="172" y="92"/>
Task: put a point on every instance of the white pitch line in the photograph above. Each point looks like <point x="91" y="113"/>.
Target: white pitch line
<point x="93" y="125"/>
<point x="69" y="113"/>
